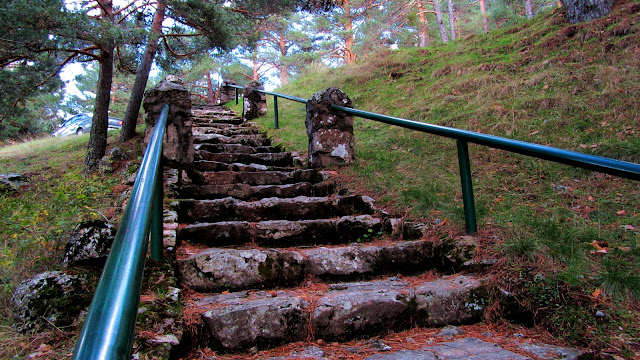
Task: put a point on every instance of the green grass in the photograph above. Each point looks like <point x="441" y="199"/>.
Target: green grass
<point x="531" y="82"/>
<point x="38" y="220"/>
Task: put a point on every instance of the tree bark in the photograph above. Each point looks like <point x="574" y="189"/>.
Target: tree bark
<point x="142" y="75"/>
<point x="528" y="7"/>
<point x="485" y="19"/>
<point x="423" y="24"/>
<point x="349" y="56"/>
<point x="441" y="27"/>
<point x="254" y="74"/>
<point x="284" y="69"/>
<point x="452" y="18"/>
<point x="99" y="123"/>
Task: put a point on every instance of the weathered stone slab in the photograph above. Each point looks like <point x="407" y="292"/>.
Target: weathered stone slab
<point x="282" y="233"/>
<point x="259" y="177"/>
<point x="347" y="314"/>
<point x="236" y="148"/>
<point x="264" y="322"/>
<point x="544" y="351"/>
<point x="218" y="269"/>
<point x="450" y="301"/>
<point x="249" y="140"/>
<point x="204" y="165"/>
<point x="273" y="159"/>
<point x="354" y="261"/>
<point x="298" y="208"/>
<point x="346" y="310"/>
<point x="226" y="131"/>
<point x="460" y="349"/>
<point x="246" y="192"/>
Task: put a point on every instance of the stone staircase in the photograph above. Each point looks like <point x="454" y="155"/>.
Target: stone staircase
<point x="270" y="253"/>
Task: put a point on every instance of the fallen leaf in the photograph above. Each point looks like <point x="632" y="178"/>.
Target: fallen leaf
<point x="225" y="292"/>
<point x="621" y="212"/>
<point x="628" y="227"/>
<point x="624" y="248"/>
<point x="596" y="293"/>
<point x="591" y="198"/>
<point x="442" y="223"/>
<point x="599" y="249"/>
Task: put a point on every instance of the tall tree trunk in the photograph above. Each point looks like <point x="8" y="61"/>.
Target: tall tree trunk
<point x="142" y="75"/>
<point x="528" y="7"/>
<point x="423" y="24"/>
<point x="452" y="19"/>
<point x="441" y="27"/>
<point x="210" y="92"/>
<point x="284" y="68"/>
<point x="255" y="74"/>
<point x="485" y="20"/>
<point x="284" y="75"/>
<point x="99" y="123"/>
<point x="349" y="56"/>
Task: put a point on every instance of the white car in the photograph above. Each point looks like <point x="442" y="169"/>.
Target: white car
<point x="81" y="123"/>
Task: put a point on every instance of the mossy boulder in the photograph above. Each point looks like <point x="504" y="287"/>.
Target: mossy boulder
<point x="52" y="298"/>
<point x="89" y="243"/>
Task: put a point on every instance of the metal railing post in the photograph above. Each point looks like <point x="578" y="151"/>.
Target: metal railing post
<point x="236" y="96"/>
<point x="157" y="220"/>
<point x="467" y="187"/>
<point x="275" y="111"/>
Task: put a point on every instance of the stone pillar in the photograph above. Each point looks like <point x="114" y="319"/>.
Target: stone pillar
<point x="227" y="93"/>
<point x="255" y="103"/>
<point x="331" y="140"/>
<point x="177" y="148"/>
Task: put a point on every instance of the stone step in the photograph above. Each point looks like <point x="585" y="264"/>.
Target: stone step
<point x="257" y="177"/>
<point x="244" y="320"/>
<point x="297" y="208"/>
<point x="210" y="125"/>
<point x="216" y="270"/>
<point x="201" y="121"/>
<point x="282" y="159"/>
<point x="226" y="131"/>
<point x="209" y="115"/>
<point x="204" y="165"/>
<point x="211" y="108"/>
<point x="248" y="192"/>
<point x="213" y="114"/>
<point x="439" y="346"/>
<point x="285" y="233"/>
<point x="249" y="140"/>
<point x="236" y="148"/>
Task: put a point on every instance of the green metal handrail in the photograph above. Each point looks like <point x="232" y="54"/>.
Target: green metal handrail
<point x="108" y="330"/>
<point x="463" y="137"/>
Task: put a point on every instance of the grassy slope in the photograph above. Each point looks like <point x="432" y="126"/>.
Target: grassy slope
<point x="575" y="87"/>
<point x="36" y="223"/>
